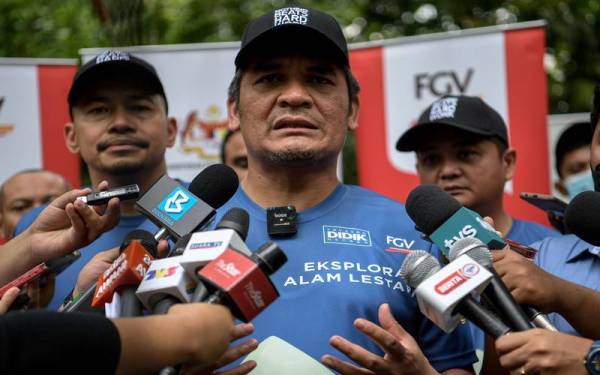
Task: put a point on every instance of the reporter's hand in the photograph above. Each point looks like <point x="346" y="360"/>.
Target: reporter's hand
<point x="529" y="284"/>
<point x="8" y="298"/>
<point x="91" y="270"/>
<point x="209" y="329"/>
<point x="402" y="353"/>
<point x="539" y="351"/>
<point x="68" y="224"/>
<point x="232" y="354"/>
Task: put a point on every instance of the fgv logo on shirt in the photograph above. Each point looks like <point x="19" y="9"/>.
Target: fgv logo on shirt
<point x="346" y="236"/>
<point x="177" y="203"/>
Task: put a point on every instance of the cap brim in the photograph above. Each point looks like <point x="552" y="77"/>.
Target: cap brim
<point x="289" y="33"/>
<point x="413" y="137"/>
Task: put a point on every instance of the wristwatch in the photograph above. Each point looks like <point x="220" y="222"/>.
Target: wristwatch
<point x="592" y="360"/>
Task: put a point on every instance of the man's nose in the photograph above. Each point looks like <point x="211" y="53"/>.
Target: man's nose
<point x="295" y="94"/>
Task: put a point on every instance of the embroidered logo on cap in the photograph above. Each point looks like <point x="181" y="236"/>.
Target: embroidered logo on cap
<point x="112" y="55"/>
<point x="289" y="15"/>
<point x="443" y="108"/>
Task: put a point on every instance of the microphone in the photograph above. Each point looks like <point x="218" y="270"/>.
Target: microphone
<point x="580" y="217"/>
<point x="497" y="294"/>
<point x="126" y="272"/>
<point x="192" y="252"/>
<point x="442" y="294"/>
<point x="445" y="221"/>
<point x="242" y="283"/>
<point x="203" y="247"/>
<point x="165" y="284"/>
<point x="178" y="211"/>
<point x="438" y="215"/>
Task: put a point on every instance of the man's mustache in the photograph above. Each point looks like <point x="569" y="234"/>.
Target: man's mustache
<point x="103" y="145"/>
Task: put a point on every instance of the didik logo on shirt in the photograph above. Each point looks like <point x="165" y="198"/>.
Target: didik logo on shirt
<point x="177" y="203"/>
<point x="346" y="236"/>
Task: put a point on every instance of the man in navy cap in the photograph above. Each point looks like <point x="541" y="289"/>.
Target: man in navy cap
<point x="461" y="144"/>
<point x="294" y="99"/>
<point x="121" y="129"/>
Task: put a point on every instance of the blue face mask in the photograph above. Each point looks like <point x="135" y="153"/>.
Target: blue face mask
<point x="580" y="182"/>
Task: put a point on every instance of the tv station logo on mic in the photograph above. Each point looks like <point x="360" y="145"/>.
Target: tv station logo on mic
<point x="175" y="205"/>
<point x="457" y="278"/>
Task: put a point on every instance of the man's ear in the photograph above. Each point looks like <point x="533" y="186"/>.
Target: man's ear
<point x="509" y="162"/>
<point x="233" y="115"/>
<point x="171" y="131"/>
<point x="353" y="115"/>
<point x="71" y="138"/>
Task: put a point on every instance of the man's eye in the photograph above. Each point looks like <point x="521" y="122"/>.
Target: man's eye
<point x="140" y="108"/>
<point x="97" y="110"/>
<point x="269" y="78"/>
<point x="430" y="160"/>
<point x="321" y="80"/>
<point x="19" y="208"/>
<point x="468" y="155"/>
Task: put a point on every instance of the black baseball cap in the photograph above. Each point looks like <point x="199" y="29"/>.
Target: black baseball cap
<point x="114" y="63"/>
<point x="468" y="113"/>
<point x="289" y="26"/>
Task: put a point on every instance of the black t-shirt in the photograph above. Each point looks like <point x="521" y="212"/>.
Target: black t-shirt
<point x="55" y="343"/>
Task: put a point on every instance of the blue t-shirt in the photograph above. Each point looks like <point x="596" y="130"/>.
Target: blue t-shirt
<point x="571" y="259"/>
<point x="526" y="233"/>
<point x="342" y="264"/>
<point x="65" y="281"/>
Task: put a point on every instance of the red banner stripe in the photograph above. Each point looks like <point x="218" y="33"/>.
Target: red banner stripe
<point x="54" y="82"/>
<point x="527" y="109"/>
<point x="374" y="169"/>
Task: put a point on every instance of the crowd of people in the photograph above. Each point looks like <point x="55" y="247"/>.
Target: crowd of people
<point x="342" y="300"/>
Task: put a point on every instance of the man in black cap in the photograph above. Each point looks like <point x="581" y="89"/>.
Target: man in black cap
<point x="121" y="129"/>
<point x="462" y="146"/>
<point x="294" y="98"/>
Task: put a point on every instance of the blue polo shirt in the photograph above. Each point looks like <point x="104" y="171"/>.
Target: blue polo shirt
<point x="342" y="264"/>
<point x="571" y="259"/>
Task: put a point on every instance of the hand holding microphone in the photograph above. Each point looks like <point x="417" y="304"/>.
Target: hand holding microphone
<point x="66" y="225"/>
<point x="528" y="283"/>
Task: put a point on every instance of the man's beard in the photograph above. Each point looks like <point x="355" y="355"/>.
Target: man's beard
<point x="298" y="158"/>
<point x="124" y="167"/>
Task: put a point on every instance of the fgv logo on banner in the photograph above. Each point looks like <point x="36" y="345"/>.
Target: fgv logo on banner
<point x="420" y="73"/>
<point x="177" y="203"/>
<point x="346" y="236"/>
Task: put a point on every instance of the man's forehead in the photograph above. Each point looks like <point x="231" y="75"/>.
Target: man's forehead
<point x="25" y="184"/>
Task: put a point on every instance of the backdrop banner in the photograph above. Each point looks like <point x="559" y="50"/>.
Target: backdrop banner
<point x="399" y="79"/>
<point x="33" y="112"/>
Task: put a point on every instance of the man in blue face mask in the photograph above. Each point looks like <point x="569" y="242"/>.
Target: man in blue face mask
<point x="572" y="156"/>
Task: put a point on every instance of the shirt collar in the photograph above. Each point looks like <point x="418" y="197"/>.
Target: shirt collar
<point x="580" y="248"/>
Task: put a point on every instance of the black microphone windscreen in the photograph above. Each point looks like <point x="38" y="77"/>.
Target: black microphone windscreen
<point x="146" y="239"/>
<point x="236" y="219"/>
<point x="429" y="206"/>
<point x="215" y="185"/>
<point x="580" y="216"/>
<point x="271" y="257"/>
